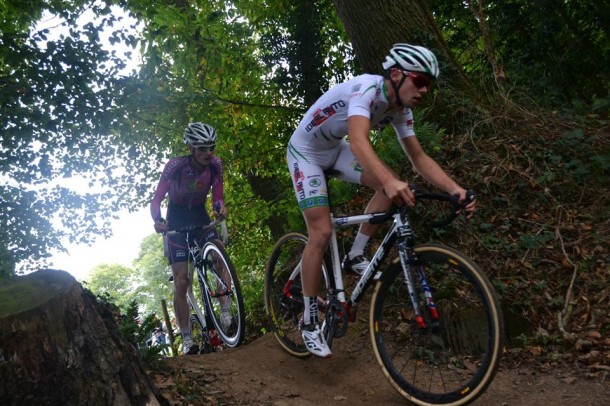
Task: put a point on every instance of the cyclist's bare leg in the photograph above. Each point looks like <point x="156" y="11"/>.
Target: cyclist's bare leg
<point x="319" y="231"/>
<point x="181" y="283"/>
<point x="379" y="202"/>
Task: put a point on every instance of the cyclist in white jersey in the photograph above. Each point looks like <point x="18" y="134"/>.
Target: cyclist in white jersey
<point x="318" y="144"/>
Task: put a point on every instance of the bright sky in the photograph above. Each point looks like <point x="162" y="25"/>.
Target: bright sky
<point x="122" y="248"/>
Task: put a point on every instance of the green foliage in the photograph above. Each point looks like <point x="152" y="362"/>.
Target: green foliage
<point x="114" y="280"/>
<point x="145" y="283"/>
<point x="574" y="154"/>
<point x="58" y="93"/>
<point x="138" y="331"/>
<point x="430" y="135"/>
<point x="134" y="329"/>
<point x="294" y="45"/>
<point x="538" y="46"/>
<point x="151" y="276"/>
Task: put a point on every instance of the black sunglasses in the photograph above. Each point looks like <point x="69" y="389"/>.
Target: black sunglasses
<point x="205" y="149"/>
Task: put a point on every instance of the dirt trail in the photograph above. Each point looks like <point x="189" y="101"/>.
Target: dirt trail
<point x="261" y="373"/>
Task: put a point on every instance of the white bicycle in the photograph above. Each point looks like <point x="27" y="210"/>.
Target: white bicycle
<point x="435" y="321"/>
<point x="215" y="297"/>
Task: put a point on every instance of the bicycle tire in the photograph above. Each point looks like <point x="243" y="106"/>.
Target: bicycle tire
<point x="454" y="361"/>
<point x="284" y="297"/>
<point x="219" y="299"/>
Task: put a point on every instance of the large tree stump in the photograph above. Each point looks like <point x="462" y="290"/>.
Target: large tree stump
<point x="58" y="346"/>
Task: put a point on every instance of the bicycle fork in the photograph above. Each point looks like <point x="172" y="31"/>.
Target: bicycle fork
<point x="408" y="258"/>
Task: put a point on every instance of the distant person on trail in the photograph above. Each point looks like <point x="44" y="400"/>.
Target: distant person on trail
<point x="186" y="180"/>
<point x="353" y="109"/>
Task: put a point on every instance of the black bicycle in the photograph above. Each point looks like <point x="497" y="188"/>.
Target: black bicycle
<point x="218" y="310"/>
<point x="435" y="321"/>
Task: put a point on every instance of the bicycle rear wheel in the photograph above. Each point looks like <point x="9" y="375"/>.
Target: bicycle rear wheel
<point x="224" y="300"/>
<point x="284" y="292"/>
<point x="453" y="359"/>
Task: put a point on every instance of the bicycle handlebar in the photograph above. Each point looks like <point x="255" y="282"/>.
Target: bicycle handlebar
<point x="453" y="200"/>
<point x="193" y="227"/>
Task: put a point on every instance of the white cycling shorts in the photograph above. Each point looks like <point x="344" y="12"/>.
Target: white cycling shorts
<point x="307" y="171"/>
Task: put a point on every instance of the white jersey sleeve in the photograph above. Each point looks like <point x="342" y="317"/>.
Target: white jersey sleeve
<point x="403" y="124"/>
<point x="362" y="97"/>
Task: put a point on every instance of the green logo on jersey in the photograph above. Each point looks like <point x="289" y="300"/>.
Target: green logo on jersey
<point x="315" y="182"/>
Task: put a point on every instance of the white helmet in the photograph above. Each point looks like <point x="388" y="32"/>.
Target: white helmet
<point x="412" y="58"/>
<point x="199" y="134"/>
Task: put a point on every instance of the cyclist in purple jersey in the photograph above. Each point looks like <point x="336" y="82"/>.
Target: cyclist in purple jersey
<point x="318" y="144"/>
<point x="187" y="181"/>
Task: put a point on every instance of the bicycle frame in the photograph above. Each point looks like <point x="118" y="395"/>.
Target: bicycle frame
<point x="399" y="230"/>
<point x="195" y="262"/>
<point x="431" y="356"/>
<point x="371" y="271"/>
<point x="380" y="254"/>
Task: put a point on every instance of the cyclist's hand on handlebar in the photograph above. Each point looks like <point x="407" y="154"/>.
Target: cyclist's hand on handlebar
<point x="220" y="210"/>
<point x="160" y="226"/>
<point x="399" y="192"/>
<point x="468" y="201"/>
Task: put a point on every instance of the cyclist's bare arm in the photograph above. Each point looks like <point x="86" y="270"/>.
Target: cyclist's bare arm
<point x="397" y="190"/>
<point x="432" y="172"/>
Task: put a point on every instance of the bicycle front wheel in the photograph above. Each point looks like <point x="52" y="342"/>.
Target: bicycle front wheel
<point x="284" y="292"/>
<point x="454" y="357"/>
<point x="224" y="300"/>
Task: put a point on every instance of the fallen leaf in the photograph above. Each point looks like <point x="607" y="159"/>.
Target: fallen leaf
<point x="599" y="366"/>
<point x="594" y="334"/>
<point x="536" y="351"/>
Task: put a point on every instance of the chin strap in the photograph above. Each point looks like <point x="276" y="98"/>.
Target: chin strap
<point x="396" y="87"/>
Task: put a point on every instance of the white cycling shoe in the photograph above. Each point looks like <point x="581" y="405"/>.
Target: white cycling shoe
<point x="314" y="340"/>
<point x="189" y="346"/>
<point x="226" y="321"/>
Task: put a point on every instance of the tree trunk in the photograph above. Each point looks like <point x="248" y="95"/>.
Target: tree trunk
<point x="58" y="346"/>
<point x="375" y="25"/>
